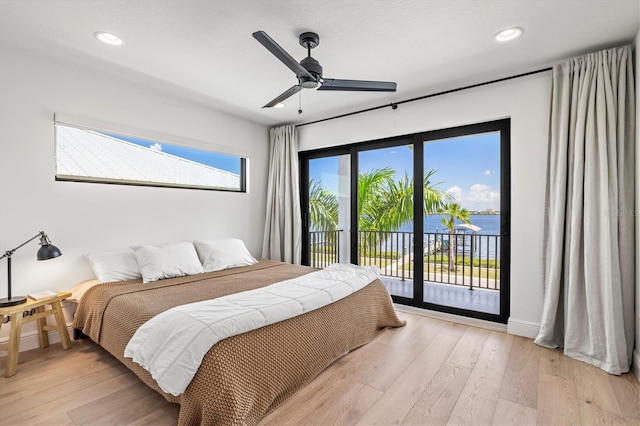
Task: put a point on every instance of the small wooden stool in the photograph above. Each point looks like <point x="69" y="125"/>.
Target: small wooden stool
<point x="17" y="319"/>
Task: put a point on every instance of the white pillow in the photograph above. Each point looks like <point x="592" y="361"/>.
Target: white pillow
<point x="217" y="255"/>
<point x="167" y="261"/>
<point x="114" y="265"/>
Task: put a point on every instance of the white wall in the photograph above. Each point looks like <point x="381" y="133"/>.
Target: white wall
<point x="82" y="217"/>
<point x="636" y="353"/>
<point x="526" y="101"/>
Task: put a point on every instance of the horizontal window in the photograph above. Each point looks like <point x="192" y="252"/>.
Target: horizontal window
<point x="99" y="156"/>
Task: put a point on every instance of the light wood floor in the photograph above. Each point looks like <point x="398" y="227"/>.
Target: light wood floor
<point x="429" y="372"/>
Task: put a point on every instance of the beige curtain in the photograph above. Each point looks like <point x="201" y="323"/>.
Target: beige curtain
<point x="283" y="225"/>
<point x="589" y="229"/>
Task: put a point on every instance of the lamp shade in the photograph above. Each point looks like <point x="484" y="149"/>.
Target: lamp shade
<point x="48" y="251"/>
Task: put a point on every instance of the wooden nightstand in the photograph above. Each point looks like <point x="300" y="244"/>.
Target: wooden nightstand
<point x="16" y="314"/>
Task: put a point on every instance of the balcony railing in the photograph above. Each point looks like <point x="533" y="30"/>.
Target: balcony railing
<point x="325" y="247"/>
<point x="470" y="260"/>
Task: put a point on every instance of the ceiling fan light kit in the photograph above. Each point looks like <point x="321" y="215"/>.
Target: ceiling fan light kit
<point x="309" y="71"/>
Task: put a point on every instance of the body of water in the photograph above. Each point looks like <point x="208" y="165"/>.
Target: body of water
<point x="489" y="224"/>
<point x="485" y="247"/>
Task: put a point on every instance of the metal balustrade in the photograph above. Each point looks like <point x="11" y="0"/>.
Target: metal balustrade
<point x="471" y="260"/>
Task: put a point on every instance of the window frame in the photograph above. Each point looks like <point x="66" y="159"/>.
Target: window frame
<point x="419" y="139"/>
<point x="152" y="137"/>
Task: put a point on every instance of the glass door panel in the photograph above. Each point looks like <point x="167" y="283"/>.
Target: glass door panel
<point x="462" y="236"/>
<point x="385" y="215"/>
<point x="328" y="210"/>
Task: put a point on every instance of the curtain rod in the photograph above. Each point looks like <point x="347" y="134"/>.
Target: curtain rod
<point x="394" y="105"/>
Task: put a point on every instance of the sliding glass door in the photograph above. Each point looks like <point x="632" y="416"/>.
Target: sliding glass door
<point x="359" y="206"/>
<point x="327" y="210"/>
<point x="461" y="266"/>
<point x="385" y="213"/>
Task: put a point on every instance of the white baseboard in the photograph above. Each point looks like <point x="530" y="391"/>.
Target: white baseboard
<point x="523" y="328"/>
<point x="29" y="340"/>
<point x="635" y="366"/>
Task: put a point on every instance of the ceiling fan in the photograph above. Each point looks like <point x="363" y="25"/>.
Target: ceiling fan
<point x="309" y="71"/>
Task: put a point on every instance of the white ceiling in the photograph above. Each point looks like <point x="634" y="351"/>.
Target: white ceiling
<point x="203" y="49"/>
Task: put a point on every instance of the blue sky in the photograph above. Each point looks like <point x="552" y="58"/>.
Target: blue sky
<point x="467" y="167"/>
<point x="225" y="162"/>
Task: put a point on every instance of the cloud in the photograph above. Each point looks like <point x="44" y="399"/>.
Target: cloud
<point x="156" y="147"/>
<point x="480" y="193"/>
<point x="488" y="172"/>
<point x="456" y="192"/>
<point x="478" y="197"/>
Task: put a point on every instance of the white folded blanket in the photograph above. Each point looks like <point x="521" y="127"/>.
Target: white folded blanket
<point x="172" y="344"/>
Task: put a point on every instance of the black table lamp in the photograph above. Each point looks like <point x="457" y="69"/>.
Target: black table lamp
<point x="46" y="251"/>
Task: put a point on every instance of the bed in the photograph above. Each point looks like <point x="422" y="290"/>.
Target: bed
<point x="244" y="377"/>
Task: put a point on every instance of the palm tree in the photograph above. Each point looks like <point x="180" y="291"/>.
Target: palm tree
<point x="384" y="204"/>
<point x="434" y="199"/>
<point x="323" y="213"/>
<point x="453" y="211"/>
<point x="323" y="207"/>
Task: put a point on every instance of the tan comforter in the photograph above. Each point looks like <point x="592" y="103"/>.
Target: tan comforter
<point x="244" y="377"/>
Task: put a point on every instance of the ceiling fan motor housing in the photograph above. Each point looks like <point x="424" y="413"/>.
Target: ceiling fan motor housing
<point x="314" y="69"/>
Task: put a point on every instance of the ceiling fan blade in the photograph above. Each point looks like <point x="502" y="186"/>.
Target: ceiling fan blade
<point x="357" y="85"/>
<point x="290" y="92"/>
<point x="282" y="54"/>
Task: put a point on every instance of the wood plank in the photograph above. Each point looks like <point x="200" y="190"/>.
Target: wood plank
<point x="509" y="413"/>
<point x="596" y="398"/>
<point x="339" y="377"/>
<point x="557" y="401"/>
<point x="473" y="411"/>
<point x="85" y="392"/>
<point x="63" y="371"/>
<point x="387" y="367"/>
<point x="57" y="419"/>
<point x="158" y="417"/>
<point x="362" y="364"/>
<point x="627" y="393"/>
<point x="520" y="383"/>
<point x="335" y="402"/>
<point x="400" y="397"/>
<point x="435" y="404"/>
<point x="135" y="402"/>
<point x="554" y="363"/>
<point x="478" y="398"/>
<point x="413" y="333"/>
<point x="345" y="408"/>
<point x="469" y="346"/>
<point x="383" y="367"/>
<point x="453" y="328"/>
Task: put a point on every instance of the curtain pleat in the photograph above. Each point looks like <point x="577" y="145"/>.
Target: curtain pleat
<point x="589" y="225"/>
<point x="283" y="224"/>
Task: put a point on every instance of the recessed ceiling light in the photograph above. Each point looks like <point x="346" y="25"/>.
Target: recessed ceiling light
<point x="279" y="105"/>
<point x="108" y="38"/>
<point x="509" y="34"/>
